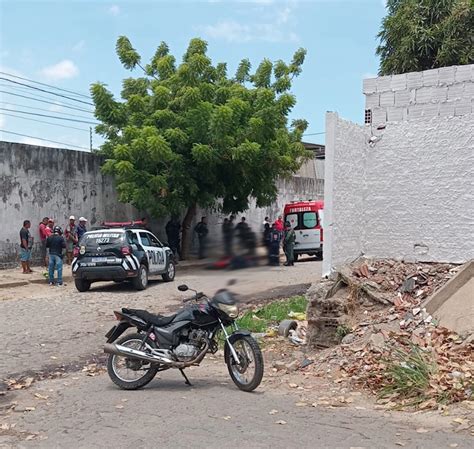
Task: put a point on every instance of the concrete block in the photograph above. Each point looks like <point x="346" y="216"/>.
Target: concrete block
<point x="431" y="77"/>
<point x="446" y="109"/>
<point x="372" y="100"/>
<point x="414" y="80"/>
<point x="369" y="85"/>
<point x="379" y="116"/>
<point x="415" y="111"/>
<point x="402" y="98"/>
<point x="464" y="73"/>
<point x="463" y="107"/>
<point x="430" y="110"/>
<point x="440" y="94"/>
<point x="387" y="99"/>
<point x="395" y="114"/>
<point x="398" y="82"/>
<point x="456" y="92"/>
<point x="469" y="90"/>
<point x="425" y="94"/>
<point x="446" y="75"/>
<point x="383" y="83"/>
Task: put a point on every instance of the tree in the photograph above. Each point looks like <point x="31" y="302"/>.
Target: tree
<point x="425" y="34"/>
<point x="188" y="135"/>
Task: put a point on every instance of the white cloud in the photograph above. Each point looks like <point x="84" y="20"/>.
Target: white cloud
<point x="62" y="70"/>
<point x="114" y="10"/>
<point x="79" y="46"/>
<point x="275" y="29"/>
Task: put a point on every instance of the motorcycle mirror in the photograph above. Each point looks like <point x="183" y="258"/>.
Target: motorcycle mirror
<point x="231" y="282"/>
<point x="183" y="288"/>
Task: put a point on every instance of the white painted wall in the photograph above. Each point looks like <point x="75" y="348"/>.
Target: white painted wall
<point x="444" y="92"/>
<point x="409" y="196"/>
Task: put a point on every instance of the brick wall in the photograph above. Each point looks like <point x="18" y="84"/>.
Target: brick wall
<point x="444" y="92"/>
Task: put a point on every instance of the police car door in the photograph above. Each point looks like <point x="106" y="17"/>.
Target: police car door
<point x="158" y="246"/>
<point x="151" y="252"/>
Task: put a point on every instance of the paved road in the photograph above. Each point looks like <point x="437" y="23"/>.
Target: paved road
<point x="83" y="412"/>
<point x="42" y="326"/>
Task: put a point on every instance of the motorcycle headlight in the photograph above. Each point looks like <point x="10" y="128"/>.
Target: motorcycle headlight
<point x="231" y="311"/>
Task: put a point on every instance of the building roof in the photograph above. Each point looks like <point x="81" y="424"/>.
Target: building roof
<point x="318" y="149"/>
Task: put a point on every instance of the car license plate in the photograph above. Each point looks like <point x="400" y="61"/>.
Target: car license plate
<point x="99" y="259"/>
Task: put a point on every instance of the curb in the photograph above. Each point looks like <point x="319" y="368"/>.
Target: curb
<point x="14" y="284"/>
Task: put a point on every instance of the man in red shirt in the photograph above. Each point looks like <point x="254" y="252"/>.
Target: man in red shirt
<point x="43" y="236"/>
<point x="279" y="225"/>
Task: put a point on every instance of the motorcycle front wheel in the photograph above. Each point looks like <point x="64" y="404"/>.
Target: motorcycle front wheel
<point x="127" y="373"/>
<point x="247" y="374"/>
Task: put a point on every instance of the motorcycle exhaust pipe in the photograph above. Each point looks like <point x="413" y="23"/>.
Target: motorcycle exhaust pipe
<point x="135" y="354"/>
<point x="125" y="351"/>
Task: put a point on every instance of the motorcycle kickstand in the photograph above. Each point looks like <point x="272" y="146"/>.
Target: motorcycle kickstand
<point x="186" y="380"/>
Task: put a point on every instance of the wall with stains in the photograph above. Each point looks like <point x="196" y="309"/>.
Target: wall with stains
<point x="37" y="181"/>
<point x="407" y="194"/>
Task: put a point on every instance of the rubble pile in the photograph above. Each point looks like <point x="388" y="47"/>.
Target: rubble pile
<point x="383" y="339"/>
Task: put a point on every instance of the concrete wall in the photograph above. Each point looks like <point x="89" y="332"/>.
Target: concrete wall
<point x="408" y="195"/>
<point x="40" y="181"/>
<point x="444" y="92"/>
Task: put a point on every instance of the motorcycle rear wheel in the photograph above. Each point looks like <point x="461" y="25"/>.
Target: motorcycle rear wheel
<point x="121" y="369"/>
<point x="249" y="373"/>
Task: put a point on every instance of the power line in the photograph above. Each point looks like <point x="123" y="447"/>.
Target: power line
<point x="40" y="138"/>
<point x="49" y="116"/>
<point x="43" y="121"/>
<point x="47" y="85"/>
<point x="45" y="101"/>
<point x="314" y="134"/>
<point x="6" y="103"/>
<point x="47" y="91"/>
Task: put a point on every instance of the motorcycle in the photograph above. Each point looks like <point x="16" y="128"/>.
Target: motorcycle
<point x="182" y="340"/>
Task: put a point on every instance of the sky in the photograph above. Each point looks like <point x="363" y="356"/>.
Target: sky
<point x="70" y="44"/>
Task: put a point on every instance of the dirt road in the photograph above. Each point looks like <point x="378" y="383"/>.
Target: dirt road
<point x="42" y="326"/>
<point x="57" y="331"/>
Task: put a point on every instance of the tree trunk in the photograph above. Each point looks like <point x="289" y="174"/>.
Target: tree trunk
<point x="186" y="231"/>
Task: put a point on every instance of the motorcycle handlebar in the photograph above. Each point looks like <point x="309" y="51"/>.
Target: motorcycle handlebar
<point x="197" y="296"/>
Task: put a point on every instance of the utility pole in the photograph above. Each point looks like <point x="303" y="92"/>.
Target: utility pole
<point x="90" y="134"/>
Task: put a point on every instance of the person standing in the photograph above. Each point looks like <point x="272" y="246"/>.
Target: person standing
<point x="81" y="228"/>
<point x="43" y="236"/>
<point x="289" y="244"/>
<point x="71" y="238"/>
<point x="202" y="231"/>
<point x="241" y="229"/>
<point x="265" y="222"/>
<point x="274" y="248"/>
<point x="228" y="235"/>
<point x="173" y="229"/>
<point x="56" y="244"/>
<point x="25" y="247"/>
<point x="279" y="225"/>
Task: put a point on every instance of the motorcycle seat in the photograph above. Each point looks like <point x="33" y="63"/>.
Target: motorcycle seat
<point x="155" y="319"/>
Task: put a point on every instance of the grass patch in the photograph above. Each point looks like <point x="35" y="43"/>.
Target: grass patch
<point x="409" y="373"/>
<point x="260" y="320"/>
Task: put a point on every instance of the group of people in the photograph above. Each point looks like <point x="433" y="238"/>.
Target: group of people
<point x="274" y="236"/>
<point x="54" y="244"/>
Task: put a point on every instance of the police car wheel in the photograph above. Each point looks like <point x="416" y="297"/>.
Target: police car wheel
<point x="170" y="272"/>
<point x="141" y="281"/>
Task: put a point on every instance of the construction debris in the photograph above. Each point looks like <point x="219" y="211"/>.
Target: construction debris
<point x="394" y="347"/>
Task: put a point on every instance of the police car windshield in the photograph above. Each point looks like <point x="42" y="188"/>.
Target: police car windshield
<point x="95" y="239"/>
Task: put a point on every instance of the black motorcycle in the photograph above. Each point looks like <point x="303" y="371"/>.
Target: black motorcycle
<point x="182" y="340"/>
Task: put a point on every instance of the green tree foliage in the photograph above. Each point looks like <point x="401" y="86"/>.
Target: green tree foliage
<point x="189" y="134"/>
<point x="425" y="34"/>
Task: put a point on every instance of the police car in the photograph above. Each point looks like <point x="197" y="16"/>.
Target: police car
<point x="119" y="254"/>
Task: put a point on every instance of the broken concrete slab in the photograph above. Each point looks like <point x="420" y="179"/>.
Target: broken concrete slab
<point x="453" y="304"/>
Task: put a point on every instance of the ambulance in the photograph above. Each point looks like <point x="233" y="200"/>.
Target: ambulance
<point x="306" y="218"/>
